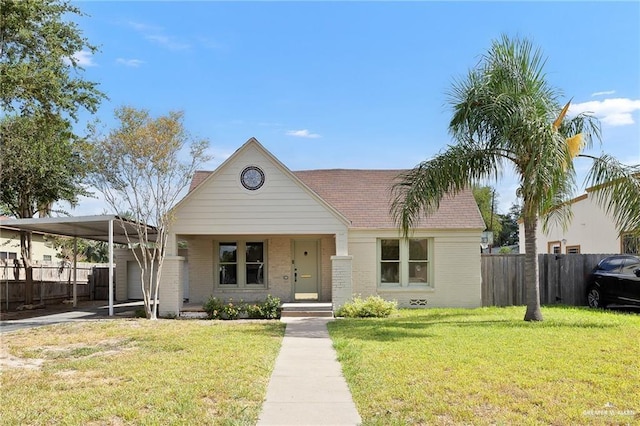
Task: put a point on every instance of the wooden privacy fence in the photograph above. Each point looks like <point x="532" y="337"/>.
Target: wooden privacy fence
<point x="562" y="278"/>
<point x="53" y="282"/>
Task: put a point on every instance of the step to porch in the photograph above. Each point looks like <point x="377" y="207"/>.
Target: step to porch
<point x="307" y="309"/>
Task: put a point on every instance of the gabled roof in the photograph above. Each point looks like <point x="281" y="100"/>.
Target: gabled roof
<point x="364" y="198"/>
<point x="200" y="177"/>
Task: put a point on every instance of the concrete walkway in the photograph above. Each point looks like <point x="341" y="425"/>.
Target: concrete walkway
<point x="307" y="386"/>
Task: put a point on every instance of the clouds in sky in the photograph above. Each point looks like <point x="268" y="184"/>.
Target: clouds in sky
<point x="304" y="133"/>
<point x="613" y="111"/>
<point x="134" y="63"/>
<point x="157" y="35"/>
<point x="603" y="93"/>
<point x="84" y="58"/>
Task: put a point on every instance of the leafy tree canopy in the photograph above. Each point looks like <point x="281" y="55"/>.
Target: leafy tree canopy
<point x="142" y="167"/>
<point x="37" y="63"/>
<point x="486" y="199"/>
<point x="40" y="164"/>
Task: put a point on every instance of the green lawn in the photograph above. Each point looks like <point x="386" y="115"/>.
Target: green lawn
<point x="138" y="372"/>
<point x="488" y="366"/>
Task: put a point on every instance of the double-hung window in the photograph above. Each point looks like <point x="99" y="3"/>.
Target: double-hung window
<point x="241" y="264"/>
<point x="404" y="262"/>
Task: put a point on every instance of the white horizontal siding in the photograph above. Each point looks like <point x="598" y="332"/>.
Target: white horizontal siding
<point x="222" y="205"/>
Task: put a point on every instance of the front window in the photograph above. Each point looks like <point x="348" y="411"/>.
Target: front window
<point x="255" y="263"/>
<point x="390" y="261"/>
<point x="418" y="261"/>
<point x="228" y="263"/>
<point x="404" y="263"/>
<point x="241" y="264"/>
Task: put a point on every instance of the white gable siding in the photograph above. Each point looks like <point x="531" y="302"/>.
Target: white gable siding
<point x="591" y="229"/>
<point x="221" y="205"/>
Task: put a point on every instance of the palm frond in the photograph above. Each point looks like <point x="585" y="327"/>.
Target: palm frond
<point x="616" y="188"/>
<point x="418" y="192"/>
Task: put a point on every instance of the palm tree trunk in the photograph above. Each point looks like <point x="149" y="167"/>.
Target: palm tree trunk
<point x="531" y="284"/>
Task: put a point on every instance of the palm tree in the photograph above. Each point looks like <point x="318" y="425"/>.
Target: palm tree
<point x="506" y="114"/>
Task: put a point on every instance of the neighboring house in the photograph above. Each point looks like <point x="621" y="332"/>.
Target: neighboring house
<point x="253" y="228"/>
<point x="41" y="249"/>
<point x="591" y="231"/>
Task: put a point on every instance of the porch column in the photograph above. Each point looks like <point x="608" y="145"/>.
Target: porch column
<point x="341" y="280"/>
<point x="171" y="248"/>
<point x="171" y="282"/>
<point x="342" y="243"/>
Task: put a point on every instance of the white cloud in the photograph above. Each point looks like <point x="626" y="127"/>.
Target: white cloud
<point x="614" y="111"/>
<point x="166" y="41"/>
<point x="135" y="63"/>
<point x="606" y="92"/>
<point x="157" y="35"/>
<point x="143" y="28"/>
<point x="304" y="133"/>
<point x="84" y="58"/>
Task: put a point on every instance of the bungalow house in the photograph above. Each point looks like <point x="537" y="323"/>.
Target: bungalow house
<point x="591" y="231"/>
<point x="253" y="227"/>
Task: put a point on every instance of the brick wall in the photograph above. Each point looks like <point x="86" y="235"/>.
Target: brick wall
<point x="342" y="288"/>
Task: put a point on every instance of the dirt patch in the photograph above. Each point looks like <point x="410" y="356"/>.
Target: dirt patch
<point x="78" y="350"/>
<point x="9" y="361"/>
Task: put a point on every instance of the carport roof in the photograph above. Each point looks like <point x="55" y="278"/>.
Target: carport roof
<point x="89" y="227"/>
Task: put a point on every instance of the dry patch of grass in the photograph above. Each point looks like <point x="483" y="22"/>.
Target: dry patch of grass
<point x="487" y="366"/>
<point x="137" y="372"/>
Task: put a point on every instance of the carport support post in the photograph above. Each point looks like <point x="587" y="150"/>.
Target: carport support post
<point x="75" y="272"/>
<point x="110" y="267"/>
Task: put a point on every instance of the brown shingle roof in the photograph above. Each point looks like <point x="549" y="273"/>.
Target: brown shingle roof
<point x="364" y="197"/>
<point x="198" y="177"/>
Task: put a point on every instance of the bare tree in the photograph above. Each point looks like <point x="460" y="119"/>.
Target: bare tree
<point x="142" y="167"/>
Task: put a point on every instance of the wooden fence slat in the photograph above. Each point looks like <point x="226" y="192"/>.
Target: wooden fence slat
<point x="562" y="278"/>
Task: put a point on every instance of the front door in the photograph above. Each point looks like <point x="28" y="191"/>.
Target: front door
<point x="305" y="270"/>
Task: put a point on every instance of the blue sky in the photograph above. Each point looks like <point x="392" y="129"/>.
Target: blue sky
<point x="351" y="84"/>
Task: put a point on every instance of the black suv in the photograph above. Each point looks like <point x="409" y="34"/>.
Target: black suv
<point x="616" y="280"/>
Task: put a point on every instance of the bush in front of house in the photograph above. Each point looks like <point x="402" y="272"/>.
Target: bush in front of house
<point x="230" y="310"/>
<point x="213" y="308"/>
<point x="371" y="307"/>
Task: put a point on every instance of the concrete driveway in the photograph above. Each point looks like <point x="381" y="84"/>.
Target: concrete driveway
<point x="60" y="313"/>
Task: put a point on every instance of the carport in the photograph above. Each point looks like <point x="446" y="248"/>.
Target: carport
<point x="108" y="228"/>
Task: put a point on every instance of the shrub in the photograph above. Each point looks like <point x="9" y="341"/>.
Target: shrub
<point x="371" y="307"/>
<point x="269" y="309"/>
<point x="217" y="309"/>
<point x="232" y="310"/>
<point x="213" y="308"/>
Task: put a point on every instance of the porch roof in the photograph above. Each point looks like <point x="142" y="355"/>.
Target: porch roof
<point x="88" y="227"/>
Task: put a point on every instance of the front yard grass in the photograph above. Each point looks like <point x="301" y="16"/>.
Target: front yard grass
<point x="488" y="366"/>
<point x="137" y="372"/>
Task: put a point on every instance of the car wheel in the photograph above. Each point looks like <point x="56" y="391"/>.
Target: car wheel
<point x="594" y="298"/>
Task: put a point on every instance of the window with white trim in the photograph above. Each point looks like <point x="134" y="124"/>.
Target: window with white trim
<point x="404" y="262"/>
<point x="241" y="264"/>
